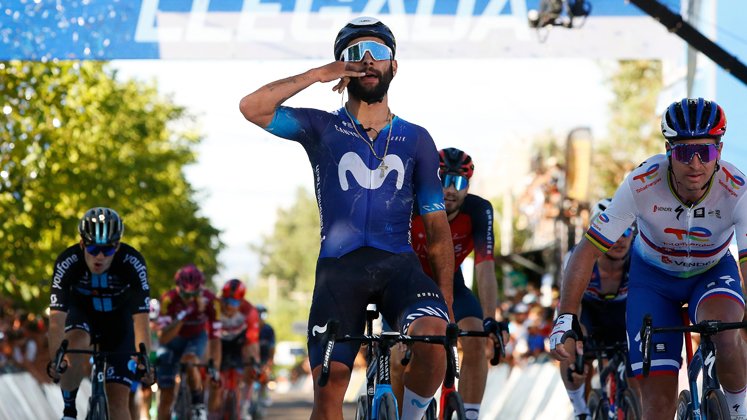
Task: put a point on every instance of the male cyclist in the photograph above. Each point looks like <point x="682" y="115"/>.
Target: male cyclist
<point x="602" y="310"/>
<point x="99" y="293"/>
<point x="155" y="328"/>
<point x="688" y="204"/>
<point x="190" y="316"/>
<point x="471" y="222"/>
<point x="368" y="165"/>
<point x="239" y="338"/>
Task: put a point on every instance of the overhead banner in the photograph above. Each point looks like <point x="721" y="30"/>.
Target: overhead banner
<point x="271" y="29"/>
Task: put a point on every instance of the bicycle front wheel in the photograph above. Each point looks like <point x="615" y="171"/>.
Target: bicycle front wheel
<point x="597" y="408"/>
<point x="715" y="406"/>
<point x="182" y="409"/>
<point x="454" y="407"/>
<point x="684" y="406"/>
<point x="632" y="407"/>
<point x="98" y="409"/>
<point x="387" y="408"/>
<point x="230" y="406"/>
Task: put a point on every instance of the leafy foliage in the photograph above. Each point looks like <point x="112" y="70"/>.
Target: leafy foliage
<point x="75" y="137"/>
<point x="634" y="133"/>
<point x="288" y="257"/>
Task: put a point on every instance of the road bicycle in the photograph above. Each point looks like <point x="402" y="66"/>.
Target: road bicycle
<point x="182" y="409"/>
<point x="614" y="399"/>
<point x="379" y="402"/>
<point x="690" y="405"/>
<point x="231" y="383"/>
<point x="98" y="405"/>
<point x="451" y="402"/>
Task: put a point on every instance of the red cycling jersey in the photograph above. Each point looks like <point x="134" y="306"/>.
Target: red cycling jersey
<point x="195" y="321"/>
<point x="471" y="229"/>
<point x="246" y="319"/>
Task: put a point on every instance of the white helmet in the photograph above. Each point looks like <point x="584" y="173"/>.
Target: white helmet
<point x="155" y="309"/>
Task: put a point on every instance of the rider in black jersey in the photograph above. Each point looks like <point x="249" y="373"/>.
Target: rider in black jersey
<point x="99" y="292"/>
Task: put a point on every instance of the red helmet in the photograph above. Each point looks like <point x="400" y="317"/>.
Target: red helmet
<point x="189" y="279"/>
<point x="234" y="289"/>
<point x="455" y="161"/>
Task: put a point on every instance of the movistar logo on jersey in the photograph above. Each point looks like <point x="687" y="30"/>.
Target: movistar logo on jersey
<point x="699" y="234"/>
<point x="369" y="179"/>
<point x="649" y="174"/>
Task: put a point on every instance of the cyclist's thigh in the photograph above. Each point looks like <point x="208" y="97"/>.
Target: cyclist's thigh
<point x="409" y="293"/>
<point x="655" y="293"/>
<point x="196" y="345"/>
<point x="718" y="293"/>
<point x="465" y="303"/>
<point x="341" y="291"/>
<point x="167" y="362"/>
<point x="120" y="339"/>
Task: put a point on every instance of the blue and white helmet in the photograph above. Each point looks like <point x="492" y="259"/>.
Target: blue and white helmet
<point x="692" y="119"/>
<point x="101" y="226"/>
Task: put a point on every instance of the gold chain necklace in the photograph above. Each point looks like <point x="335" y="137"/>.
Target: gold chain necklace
<point x="382" y="167"/>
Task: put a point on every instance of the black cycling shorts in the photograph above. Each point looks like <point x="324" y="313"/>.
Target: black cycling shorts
<point x="344" y="286"/>
<point x="114" y="332"/>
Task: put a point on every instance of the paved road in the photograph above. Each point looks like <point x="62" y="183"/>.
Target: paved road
<point x="297" y="406"/>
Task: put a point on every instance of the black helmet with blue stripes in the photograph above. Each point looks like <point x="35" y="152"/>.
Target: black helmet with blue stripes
<point x="101" y="226"/>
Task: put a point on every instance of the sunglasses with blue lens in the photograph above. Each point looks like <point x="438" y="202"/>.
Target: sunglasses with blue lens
<point x="107" y="250"/>
<point x="357" y="51"/>
<point x="459" y="182"/>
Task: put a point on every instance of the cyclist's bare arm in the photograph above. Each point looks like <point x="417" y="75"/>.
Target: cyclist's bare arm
<point x="215" y="350"/>
<point x="56" y="331"/>
<point x="142" y="330"/>
<point x="487" y="285"/>
<point x="259" y="107"/>
<point x="170" y="331"/>
<point x="575" y="280"/>
<point x="441" y="253"/>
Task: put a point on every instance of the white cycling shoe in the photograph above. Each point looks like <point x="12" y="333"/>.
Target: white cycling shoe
<point x="199" y="412"/>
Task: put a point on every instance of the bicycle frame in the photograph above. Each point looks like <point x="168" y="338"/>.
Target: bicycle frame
<point x="98" y="403"/>
<point x="705" y="356"/>
<point x="614" y="371"/>
<point x="378" y="382"/>
<point x="452" y="371"/>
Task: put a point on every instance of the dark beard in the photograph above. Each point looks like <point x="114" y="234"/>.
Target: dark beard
<point x="369" y="96"/>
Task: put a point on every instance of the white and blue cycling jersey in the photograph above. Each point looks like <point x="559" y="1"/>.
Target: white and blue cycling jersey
<point x="678" y="239"/>
<point x="364" y="201"/>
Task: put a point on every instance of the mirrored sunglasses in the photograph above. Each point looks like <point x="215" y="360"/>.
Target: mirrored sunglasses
<point x="356" y="52"/>
<point x="686" y="152"/>
<point x="107" y="250"/>
<point x="232" y="302"/>
<point x="458" y="181"/>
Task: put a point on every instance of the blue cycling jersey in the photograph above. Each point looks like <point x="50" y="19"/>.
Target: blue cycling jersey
<point x="364" y="200"/>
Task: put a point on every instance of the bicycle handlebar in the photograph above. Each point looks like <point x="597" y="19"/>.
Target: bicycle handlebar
<point x="60" y="367"/>
<point x="706" y="328"/>
<point x="448" y="341"/>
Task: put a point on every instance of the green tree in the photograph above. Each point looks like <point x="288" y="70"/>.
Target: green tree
<point x="288" y="256"/>
<point x="634" y="133"/>
<point x="75" y="137"/>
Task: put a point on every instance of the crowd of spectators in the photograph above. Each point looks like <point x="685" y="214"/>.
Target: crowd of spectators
<point x="23" y="341"/>
<point x="530" y="324"/>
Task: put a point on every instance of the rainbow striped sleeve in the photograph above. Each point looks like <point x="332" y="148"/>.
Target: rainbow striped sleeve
<point x="600" y="241"/>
